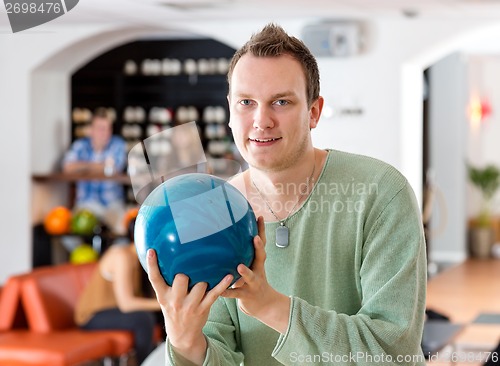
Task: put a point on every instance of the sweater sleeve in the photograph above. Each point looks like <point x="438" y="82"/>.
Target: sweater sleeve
<point x="388" y="327"/>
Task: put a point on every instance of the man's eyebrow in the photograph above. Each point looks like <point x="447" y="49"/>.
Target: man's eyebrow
<point x="243" y="95"/>
<point x="274" y="96"/>
<point x="283" y="95"/>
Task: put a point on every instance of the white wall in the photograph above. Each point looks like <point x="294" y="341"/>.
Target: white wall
<point x="376" y="80"/>
<point x="447" y="144"/>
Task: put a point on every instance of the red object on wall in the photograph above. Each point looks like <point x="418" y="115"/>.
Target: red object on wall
<point x="479" y="110"/>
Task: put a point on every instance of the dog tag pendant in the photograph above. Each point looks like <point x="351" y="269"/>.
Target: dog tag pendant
<point x="282" y="236"/>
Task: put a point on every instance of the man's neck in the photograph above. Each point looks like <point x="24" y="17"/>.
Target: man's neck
<point x="290" y="182"/>
<point x="285" y="190"/>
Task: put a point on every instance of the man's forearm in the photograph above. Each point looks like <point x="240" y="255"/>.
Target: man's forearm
<point x="83" y="167"/>
<point x="277" y="315"/>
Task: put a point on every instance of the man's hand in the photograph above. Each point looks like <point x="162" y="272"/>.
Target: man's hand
<point x="185" y="312"/>
<point x="255" y="296"/>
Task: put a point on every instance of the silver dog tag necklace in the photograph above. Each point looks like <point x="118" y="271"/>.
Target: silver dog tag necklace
<point x="282" y="232"/>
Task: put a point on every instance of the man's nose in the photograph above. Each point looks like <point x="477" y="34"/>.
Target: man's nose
<point x="262" y="118"/>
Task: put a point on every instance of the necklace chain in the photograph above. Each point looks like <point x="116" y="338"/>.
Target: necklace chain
<point x="283" y="221"/>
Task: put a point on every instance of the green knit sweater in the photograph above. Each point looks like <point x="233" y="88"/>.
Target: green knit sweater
<point x="355" y="270"/>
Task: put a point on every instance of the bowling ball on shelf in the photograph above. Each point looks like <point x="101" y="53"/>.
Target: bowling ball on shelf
<point x="199" y="225"/>
<point x="130" y="214"/>
<point x="57" y="221"/>
<point x="84" y="253"/>
<point x="83" y="222"/>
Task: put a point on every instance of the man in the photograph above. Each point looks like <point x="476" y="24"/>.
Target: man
<point x="99" y="154"/>
<point x="339" y="274"/>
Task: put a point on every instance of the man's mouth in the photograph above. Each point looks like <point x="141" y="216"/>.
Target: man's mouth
<point x="265" y="140"/>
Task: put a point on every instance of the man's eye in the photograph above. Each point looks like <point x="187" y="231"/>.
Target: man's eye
<point x="281" y="102"/>
<point x="245" y="102"/>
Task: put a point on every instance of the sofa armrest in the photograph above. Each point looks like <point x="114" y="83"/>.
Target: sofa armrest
<point x="12" y="314"/>
<point x="50" y="294"/>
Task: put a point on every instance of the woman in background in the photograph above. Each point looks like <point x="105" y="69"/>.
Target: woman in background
<point x="113" y="298"/>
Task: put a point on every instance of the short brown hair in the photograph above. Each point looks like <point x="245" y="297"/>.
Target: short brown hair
<point x="273" y="41"/>
<point x="102" y="112"/>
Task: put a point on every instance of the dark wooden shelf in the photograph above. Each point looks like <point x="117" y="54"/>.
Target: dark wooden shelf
<point x="64" y="177"/>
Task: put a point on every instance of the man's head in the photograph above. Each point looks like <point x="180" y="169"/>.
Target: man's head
<point x="101" y="129"/>
<point x="273" y="103"/>
<point x="273" y="41"/>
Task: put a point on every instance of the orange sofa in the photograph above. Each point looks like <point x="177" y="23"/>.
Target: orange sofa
<point x="11" y="313"/>
<point x="36" y="321"/>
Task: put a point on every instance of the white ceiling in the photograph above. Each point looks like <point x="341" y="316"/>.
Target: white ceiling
<point x="428" y="8"/>
<point x="291" y="8"/>
<point x="155" y="12"/>
<point x="245" y="8"/>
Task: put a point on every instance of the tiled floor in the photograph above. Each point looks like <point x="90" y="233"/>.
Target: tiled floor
<point x="468" y="294"/>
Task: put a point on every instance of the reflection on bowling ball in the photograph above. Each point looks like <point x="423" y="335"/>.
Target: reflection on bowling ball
<point x="199" y="225"/>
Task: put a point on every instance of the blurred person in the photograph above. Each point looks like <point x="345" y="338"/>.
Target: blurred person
<point x="101" y="153"/>
<point x="114" y="298"/>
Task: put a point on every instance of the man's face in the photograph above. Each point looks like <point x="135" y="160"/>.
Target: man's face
<point x="100" y="132"/>
<point x="270" y="119"/>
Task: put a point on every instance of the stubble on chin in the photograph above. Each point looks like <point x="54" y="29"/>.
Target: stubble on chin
<point x="271" y="164"/>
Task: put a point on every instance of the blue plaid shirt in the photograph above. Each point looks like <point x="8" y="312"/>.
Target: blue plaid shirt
<point x="102" y="192"/>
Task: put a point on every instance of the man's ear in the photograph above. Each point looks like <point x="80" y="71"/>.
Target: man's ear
<point x="315" y="112"/>
<point x="229" y="104"/>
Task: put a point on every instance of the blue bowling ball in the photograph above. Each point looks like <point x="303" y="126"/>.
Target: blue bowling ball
<point x="199" y="225"/>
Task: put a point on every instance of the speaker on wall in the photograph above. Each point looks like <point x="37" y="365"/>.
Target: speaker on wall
<point x="333" y="38"/>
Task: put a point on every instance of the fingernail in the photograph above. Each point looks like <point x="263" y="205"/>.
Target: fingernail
<point x="150" y="253"/>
